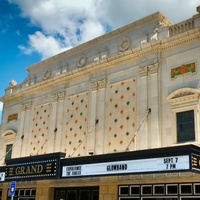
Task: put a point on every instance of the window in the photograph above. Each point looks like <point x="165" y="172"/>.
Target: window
<point x="146" y="189"/>
<point x="8" y="151"/>
<point x="123" y="190"/>
<point x="23" y="194"/>
<point x="186" y="189"/>
<point x="9" y="137"/>
<point x="185" y="126"/>
<point x="172" y="189"/>
<point x="159" y="189"/>
<point x="184" y="105"/>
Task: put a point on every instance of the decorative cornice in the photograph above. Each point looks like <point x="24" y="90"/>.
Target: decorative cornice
<point x="9" y="134"/>
<point x="130" y="56"/>
<point x="183" y="95"/>
<point x="180" y="39"/>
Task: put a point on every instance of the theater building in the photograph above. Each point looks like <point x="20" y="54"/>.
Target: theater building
<point x="114" y="118"/>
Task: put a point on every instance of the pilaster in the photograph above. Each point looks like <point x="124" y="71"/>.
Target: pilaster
<point x="154" y="105"/>
<point x="92" y="118"/>
<point x="60" y="112"/>
<point x="24" y="129"/>
<point x="55" y="130"/>
<point x="141" y="138"/>
<point x="100" y="127"/>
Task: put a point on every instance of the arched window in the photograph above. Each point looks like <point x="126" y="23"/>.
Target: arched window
<point x="185" y="103"/>
<point x="9" y="137"/>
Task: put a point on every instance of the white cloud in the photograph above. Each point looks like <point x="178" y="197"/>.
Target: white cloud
<point x="67" y="23"/>
<point x="44" y="45"/>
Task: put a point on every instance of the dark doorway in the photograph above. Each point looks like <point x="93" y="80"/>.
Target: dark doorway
<point x="77" y="193"/>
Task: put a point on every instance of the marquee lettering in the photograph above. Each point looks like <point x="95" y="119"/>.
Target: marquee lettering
<point x="116" y="167"/>
<point x="33" y="169"/>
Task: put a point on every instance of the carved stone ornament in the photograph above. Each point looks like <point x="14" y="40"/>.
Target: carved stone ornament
<point x="153" y="68"/>
<point x="12" y="83"/>
<point x="94" y="86"/>
<point x="46" y="74"/>
<point x="61" y="96"/>
<point x="125" y="44"/>
<point x="143" y="71"/>
<point x="55" y="97"/>
<point x="58" y="97"/>
<point x="184" y="95"/>
<point x="82" y="60"/>
<point x="26" y="106"/>
<point x="102" y="84"/>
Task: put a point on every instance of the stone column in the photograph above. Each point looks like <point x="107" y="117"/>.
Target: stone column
<point x="24" y="128"/>
<point x="53" y="125"/>
<point x="92" y="118"/>
<point x="154" y="139"/>
<point x="59" y="125"/>
<point x="100" y="126"/>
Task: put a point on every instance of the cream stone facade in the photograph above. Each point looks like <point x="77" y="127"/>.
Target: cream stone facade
<point x="81" y="121"/>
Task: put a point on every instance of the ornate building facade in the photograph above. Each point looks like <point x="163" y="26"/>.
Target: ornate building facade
<point x="114" y="118"/>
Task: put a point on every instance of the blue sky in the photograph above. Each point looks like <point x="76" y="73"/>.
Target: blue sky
<point x="33" y="30"/>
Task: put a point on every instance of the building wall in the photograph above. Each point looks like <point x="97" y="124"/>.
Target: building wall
<point x="96" y="97"/>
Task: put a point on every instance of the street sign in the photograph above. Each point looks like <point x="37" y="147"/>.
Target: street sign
<point x="12" y="188"/>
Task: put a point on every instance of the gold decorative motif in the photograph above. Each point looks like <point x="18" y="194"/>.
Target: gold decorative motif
<point x="12" y="117"/>
<point x="183" y="69"/>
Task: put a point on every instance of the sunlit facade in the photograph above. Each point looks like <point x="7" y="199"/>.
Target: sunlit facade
<point x="114" y="118"/>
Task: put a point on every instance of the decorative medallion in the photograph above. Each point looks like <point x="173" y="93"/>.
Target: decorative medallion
<point x="82" y="60"/>
<point x="125" y="44"/>
<point x="46" y="74"/>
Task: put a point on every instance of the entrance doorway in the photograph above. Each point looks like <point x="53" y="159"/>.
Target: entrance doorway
<point x="24" y="194"/>
<point x="77" y="193"/>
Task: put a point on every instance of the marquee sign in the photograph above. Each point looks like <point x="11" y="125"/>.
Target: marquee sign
<point x="38" y="169"/>
<point x="163" y="164"/>
<point x="35" y="167"/>
<point x="195" y="162"/>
